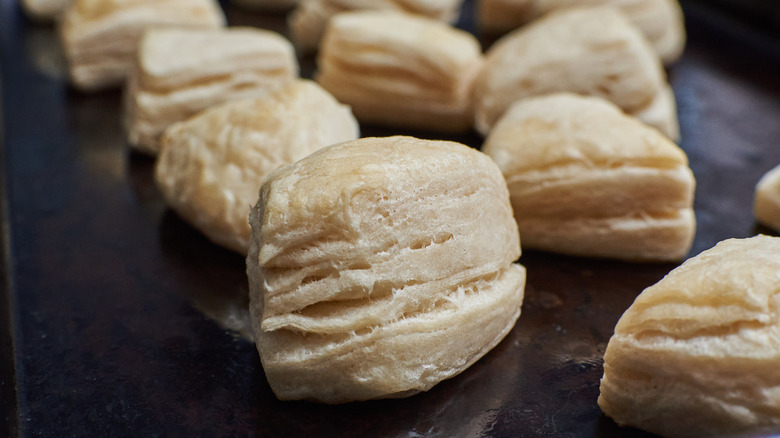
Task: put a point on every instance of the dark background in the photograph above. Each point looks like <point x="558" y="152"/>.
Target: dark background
<point x="118" y="319"/>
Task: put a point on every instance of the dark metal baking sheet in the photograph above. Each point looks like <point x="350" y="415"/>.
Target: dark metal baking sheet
<point x="117" y="316"/>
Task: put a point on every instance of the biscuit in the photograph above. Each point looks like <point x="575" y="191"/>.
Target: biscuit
<point x="661" y="113"/>
<point x="592" y="51"/>
<point x="766" y="204"/>
<point x="697" y="353"/>
<point x="379" y="267"/>
<point x="100" y="37"/>
<point x="661" y="21"/>
<point x="308" y="21"/>
<point x="44" y="10"/>
<point x="401" y="70"/>
<point x="211" y="166"/>
<point x="180" y="72"/>
<point x="585" y="179"/>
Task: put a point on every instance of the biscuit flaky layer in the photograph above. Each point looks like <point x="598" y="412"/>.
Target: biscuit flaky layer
<point x="308" y="21"/>
<point x="697" y="353"/>
<point x="211" y="165"/>
<point x="180" y="72"/>
<point x="44" y="10"/>
<point x="586" y="179"/>
<point x="401" y="70"/>
<point x="100" y="37"/>
<point x="380" y="267"/>
<point x="766" y="205"/>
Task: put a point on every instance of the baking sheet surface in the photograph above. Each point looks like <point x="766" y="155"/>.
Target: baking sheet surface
<point x="126" y="322"/>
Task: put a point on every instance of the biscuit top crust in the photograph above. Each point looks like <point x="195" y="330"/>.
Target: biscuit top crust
<point x="98" y="9"/>
<point x="392" y="187"/>
<point x="172" y="57"/>
<point x="564" y="129"/>
<point x="85" y="18"/>
<point x="401" y="43"/>
<point x="211" y="166"/>
<point x="593" y="51"/>
<point x="724" y="303"/>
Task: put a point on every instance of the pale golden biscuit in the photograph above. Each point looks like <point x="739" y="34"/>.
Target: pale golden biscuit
<point x="586" y="179"/>
<point x="44" y="10"/>
<point x="766" y="205"/>
<point x="593" y="51"/>
<point x="309" y="20"/>
<point x="661" y="21"/>
<point x="697" y="354"/>
<point x="182" y="71"/>
<point x="100" y="37"/>
<point x="379" y="267"/>
<point x="401" y="70"/>
<point x="211" y="166"/>
<point x="661" y="113"/>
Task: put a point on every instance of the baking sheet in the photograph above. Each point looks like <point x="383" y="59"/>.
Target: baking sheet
<point x="124" y="321"/>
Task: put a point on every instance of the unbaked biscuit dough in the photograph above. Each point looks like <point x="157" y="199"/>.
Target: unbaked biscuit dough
<point x="379" y="267"/>
<point x="211" y="166"/>
<point x="586" y="179"/>
<point x="100" y="37"/>
<point x="44" y="10"/>
<point x="401" y="70"/>
<point x="697" y="354"/>
<point x="661" y="21"/>
<point x="766" y="205"/>
<point x="309" y="20"/>
<point x="182" y="71"/>
<point x="592" y="51"/>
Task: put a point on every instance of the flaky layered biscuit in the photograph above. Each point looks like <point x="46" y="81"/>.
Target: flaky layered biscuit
<point x="401" y="70"/>
<point x="44" y="10"/>
<point x="697" y="353"/>
<point x="182" y="71"/>
<point x="766" y="203"/>
<point x="309" y="20"/>
<point x="586" y="179"/>
<point x="661" y="21"/>
<point x="379" y="267"/>
<point x="661" y="113"/>
<point x="593" y="51"/>
<point x="211" y="166"/>
<point x="100" y="37"/>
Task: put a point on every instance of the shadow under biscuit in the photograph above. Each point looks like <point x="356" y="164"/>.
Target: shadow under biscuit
<point x="212" y="278"/>
<point x="763" y="229"/>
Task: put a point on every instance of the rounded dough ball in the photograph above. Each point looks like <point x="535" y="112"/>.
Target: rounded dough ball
<point x="379" y="267"/>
